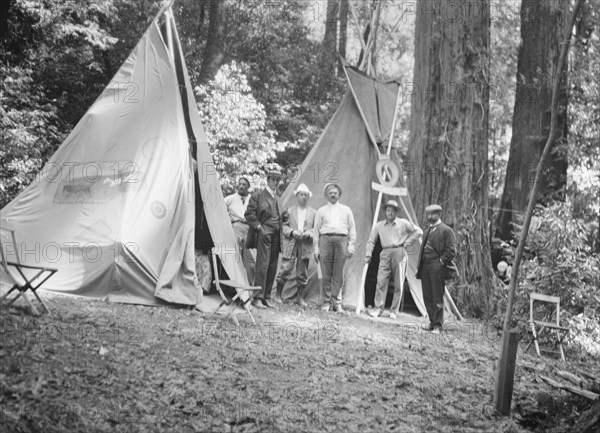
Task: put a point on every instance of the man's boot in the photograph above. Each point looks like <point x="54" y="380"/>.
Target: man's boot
<point x="300" y="298"/>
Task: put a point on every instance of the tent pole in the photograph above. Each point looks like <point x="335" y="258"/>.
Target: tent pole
<point x="389" y="149"/>
<point x="168" y="15"/>
<point x="163" y="9"/>
<point x="361" y="287"/>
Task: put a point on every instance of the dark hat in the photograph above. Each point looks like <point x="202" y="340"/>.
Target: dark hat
<point x="433" y="208"/>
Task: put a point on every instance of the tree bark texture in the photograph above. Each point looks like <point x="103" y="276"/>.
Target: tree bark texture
<point x="343" y="35"/>
<point x="328" y="55"/>
<point x="543" y="25"/>
<point x="214" y="52"/>
<point x="449" y="135"/>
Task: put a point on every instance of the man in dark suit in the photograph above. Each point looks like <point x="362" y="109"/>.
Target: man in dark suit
<point x="298" y="248"/>
<point x="262" y="214"/>
<point x="437" y="250"/>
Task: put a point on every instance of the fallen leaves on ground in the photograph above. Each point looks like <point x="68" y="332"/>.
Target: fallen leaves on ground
<point x="96" y="367"/>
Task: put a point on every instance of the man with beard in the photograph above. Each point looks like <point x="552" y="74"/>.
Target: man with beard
<point x="437" y="250"/>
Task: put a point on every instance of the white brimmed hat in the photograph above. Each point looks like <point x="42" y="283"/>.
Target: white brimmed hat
<point x="303" y="188"/>
<point x="392" y="203"/>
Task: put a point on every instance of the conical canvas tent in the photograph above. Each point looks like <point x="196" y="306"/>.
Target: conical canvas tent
<point x="115" y="209"/>
<point x="357" y="137"/>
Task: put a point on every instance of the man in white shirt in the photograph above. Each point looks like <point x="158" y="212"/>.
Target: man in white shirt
<point x="236" y="206"/>
<point x="335" y="239"/>
<point x="297" y="247"/>
<point x="395" y="234"/>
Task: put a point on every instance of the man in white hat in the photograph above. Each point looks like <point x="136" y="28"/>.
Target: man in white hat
<point x="297" y="244"/>
<point x="397" y="236"/>
<point x="335" y="239"/>
<point x="437" y="250"/>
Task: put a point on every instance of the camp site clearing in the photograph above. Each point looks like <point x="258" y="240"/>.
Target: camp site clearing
<point x="94" y="366"/>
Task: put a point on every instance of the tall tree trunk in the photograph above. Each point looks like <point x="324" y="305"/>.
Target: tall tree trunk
<point x="4" y="11"/>
<point x="542" y="25"/>
<point x="448" y="144"/>
<point x="215" y="43"/>
<point x="328" y="55"/>
<point x="343" y="34"/>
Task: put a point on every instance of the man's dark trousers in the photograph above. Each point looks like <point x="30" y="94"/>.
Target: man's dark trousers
<point x="432" y="281"/>
<point x="267" y="255"/>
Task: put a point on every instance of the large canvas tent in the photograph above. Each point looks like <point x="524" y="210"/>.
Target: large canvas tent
<point x="119" y="209"/>
<point x="356" y="138"/>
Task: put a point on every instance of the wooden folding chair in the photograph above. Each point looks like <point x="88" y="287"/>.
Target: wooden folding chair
<point x="242" y="291"/>
<point x="22" y="277"/>
<point x="539" y="326"/>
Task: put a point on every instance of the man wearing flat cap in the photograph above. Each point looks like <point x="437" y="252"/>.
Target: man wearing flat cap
<point x="396" y="235"/>
<point x="335" y="239"/>
<point x="437" y="250"/>
<point x="265" y="223"/>
<point x="297" y="244"/>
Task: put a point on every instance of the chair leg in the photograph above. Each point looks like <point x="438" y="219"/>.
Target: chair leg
<point x="248" y="310"/>
<point x="535" y="339"/>
<point x="559" y="341"/>
<point x="31" y="306"/>
<point x="41" y="302"/>
<point x="12" y="289"/>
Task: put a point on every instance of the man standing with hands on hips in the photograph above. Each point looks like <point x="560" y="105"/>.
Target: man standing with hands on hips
<point x="264" y="219"/>
<point x="395" y="234"/>
<point x="335" y="239"/>
<point x="437" y="250"/>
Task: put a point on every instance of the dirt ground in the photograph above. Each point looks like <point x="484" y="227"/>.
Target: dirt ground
<point x="92" y="366"/>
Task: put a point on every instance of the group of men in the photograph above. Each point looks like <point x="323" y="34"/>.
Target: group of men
<point x="329" y="235"/>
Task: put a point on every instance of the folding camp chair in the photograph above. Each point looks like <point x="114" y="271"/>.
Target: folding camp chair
<point x="537" y="326"/>
<point x="22" y="277"/>
<point x="242" y="290"/>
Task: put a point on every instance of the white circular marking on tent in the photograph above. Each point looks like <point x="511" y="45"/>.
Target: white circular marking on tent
<point x="158" y="209"/>
<point x="387" y="166"/>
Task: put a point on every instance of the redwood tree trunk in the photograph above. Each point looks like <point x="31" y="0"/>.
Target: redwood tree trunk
<point x="328" y="54"/>
<point x="449" y="136"/>
<point x="215" y="43"/>
<point x="343" y="34"/>
<point x="329" y="46"/>
<point x="543" y="25"/>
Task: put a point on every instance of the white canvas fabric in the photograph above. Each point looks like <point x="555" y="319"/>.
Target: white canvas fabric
<point x="113" y="209"/>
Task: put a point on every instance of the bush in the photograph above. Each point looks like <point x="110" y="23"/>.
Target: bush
<point x="235" y="124"/>
<point x="559" y="261"/>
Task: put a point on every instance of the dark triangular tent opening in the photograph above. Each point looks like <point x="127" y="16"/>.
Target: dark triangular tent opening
<point x="119" y="208"/>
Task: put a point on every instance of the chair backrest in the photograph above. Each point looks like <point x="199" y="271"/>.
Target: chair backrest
<point x="8" y="244"/>
<point x="547" y="299"/>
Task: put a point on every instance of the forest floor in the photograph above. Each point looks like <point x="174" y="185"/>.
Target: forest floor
<point x="92" y="366"/>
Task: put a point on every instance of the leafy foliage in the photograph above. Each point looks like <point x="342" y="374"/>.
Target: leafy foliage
<point x="236" y="126"/>
<point x="29" y="130"/>
<point x="560" y="262"/>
